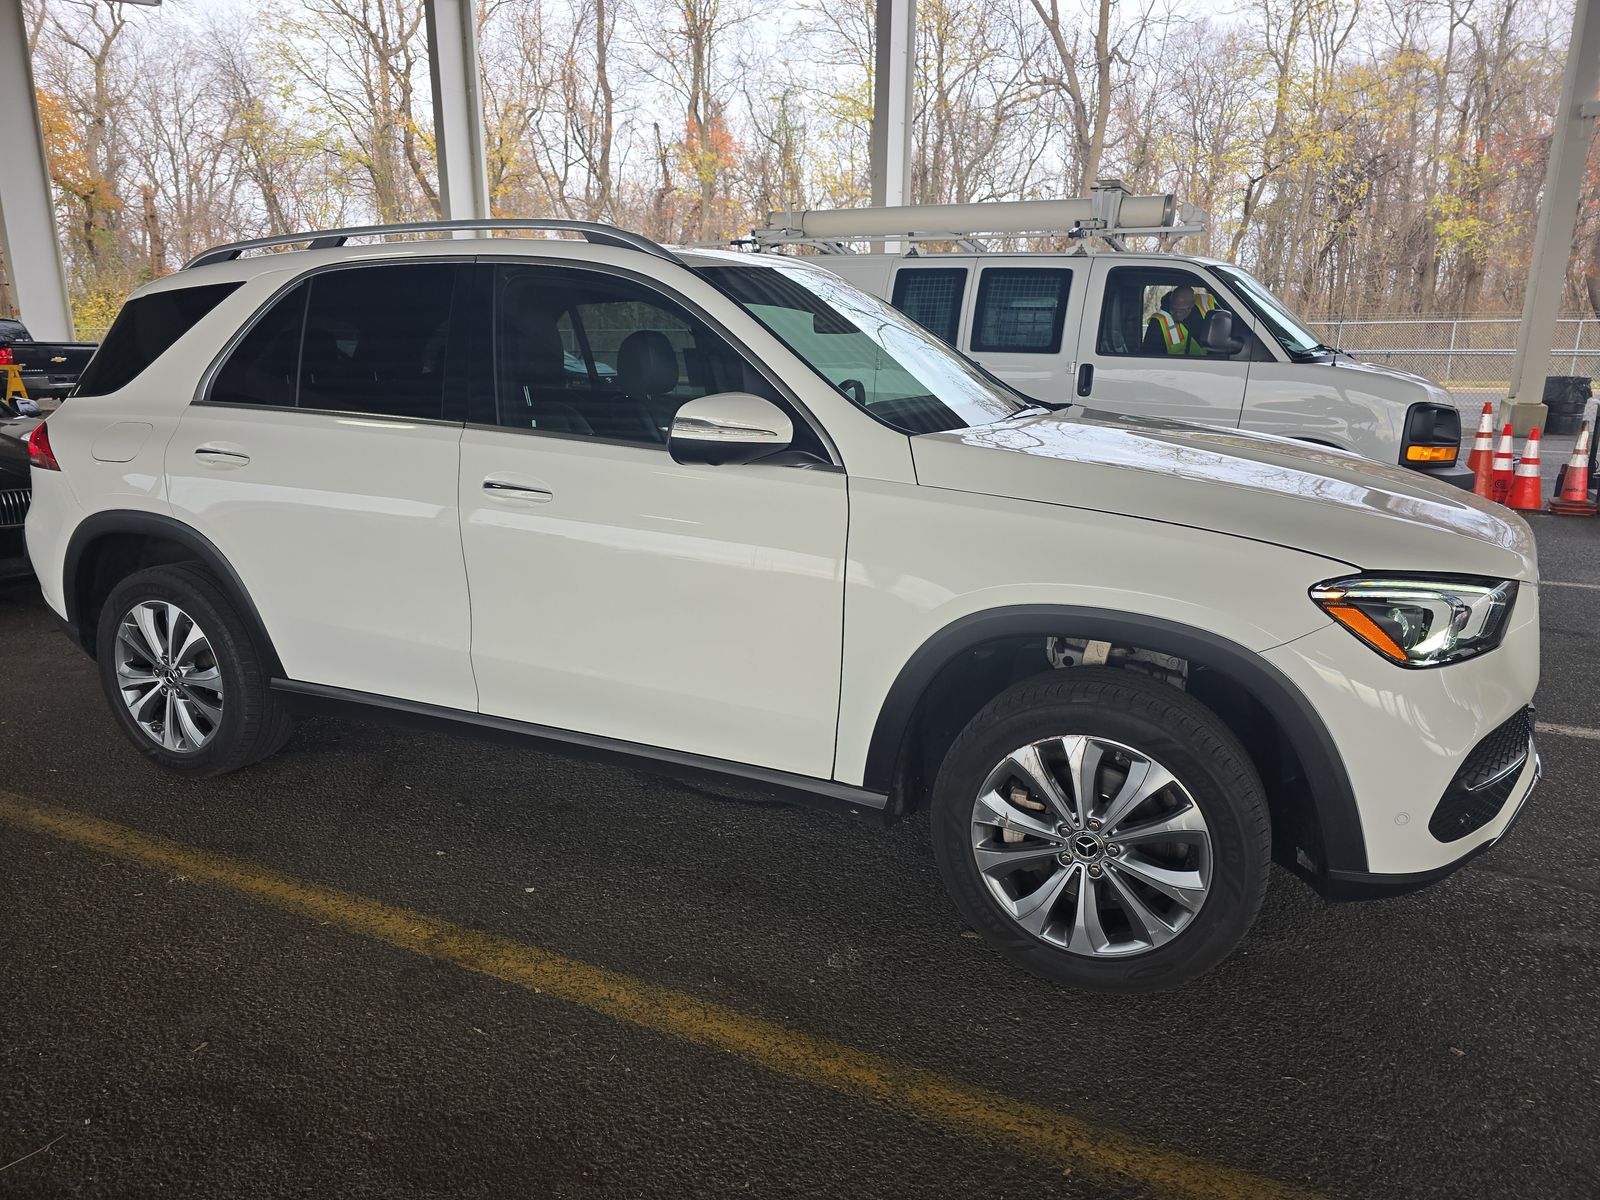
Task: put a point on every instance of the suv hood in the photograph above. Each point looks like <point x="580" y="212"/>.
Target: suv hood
<point x="1258" y="486"/>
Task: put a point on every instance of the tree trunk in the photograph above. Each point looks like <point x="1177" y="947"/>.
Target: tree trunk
<point x="154" y="240"/>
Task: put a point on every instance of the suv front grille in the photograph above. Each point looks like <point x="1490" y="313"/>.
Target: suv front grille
<point x="14" y="505"/>
<point x="1482" y="786"/>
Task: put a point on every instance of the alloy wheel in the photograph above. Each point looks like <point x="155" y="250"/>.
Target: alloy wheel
<point x="168" y="676"/>
<point x="1092" y="846"/>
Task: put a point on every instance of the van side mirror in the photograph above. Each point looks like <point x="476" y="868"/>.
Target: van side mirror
<point x="728" y="427"/>
<point x="1219" y="334"/>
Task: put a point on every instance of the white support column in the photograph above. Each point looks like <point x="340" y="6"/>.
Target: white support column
<point x="1552" y="241"/>
<point x="27" y="218"/>
<point x="896" y="60"/>
<point x="457" y="109"/>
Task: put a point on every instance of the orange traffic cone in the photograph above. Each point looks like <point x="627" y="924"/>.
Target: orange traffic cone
<point x="1482" y="456"/>
<point x="1504" y="462"/>
<point x="1527" y="493"/>
<point x="1574" y="498"/>
<point x="1483" y="467"/>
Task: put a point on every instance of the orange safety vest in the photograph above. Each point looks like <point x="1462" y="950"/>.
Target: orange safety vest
<point x="1204" y="302"/>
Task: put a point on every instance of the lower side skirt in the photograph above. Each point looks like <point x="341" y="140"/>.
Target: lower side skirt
<point x="693" y="768"/>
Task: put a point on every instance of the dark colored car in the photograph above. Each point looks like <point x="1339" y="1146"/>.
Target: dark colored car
<point x="49" y="369"/>
<point x="16" y="492"/>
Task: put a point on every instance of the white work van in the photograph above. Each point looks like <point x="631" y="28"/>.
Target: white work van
<point x="1076" y="327"/>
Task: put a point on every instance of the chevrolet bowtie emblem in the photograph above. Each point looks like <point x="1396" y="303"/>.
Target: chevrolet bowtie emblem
<point x="59" y="358"/>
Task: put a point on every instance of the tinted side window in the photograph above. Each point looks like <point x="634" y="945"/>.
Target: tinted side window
<point x="142" y="332"/>
<point x="580" y="352"/>
<point x="13" y="331"/>
<point x="263" y="367"/>
<point x="931" y="296"/>
<point x="378" y="339"/>
<point x="1020" y="310"/>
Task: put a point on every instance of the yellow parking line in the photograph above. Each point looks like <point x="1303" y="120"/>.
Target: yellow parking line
<point x="1067" y="1142"/>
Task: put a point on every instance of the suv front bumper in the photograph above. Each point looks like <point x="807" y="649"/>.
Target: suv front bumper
<point x="1411" y="739"/>
<point x="1364" y="885"/>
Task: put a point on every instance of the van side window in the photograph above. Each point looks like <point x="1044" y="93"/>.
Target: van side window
<point x="1161" y="312"/>
<point x="1020" y="310"/>
<point x="931" y="296"/>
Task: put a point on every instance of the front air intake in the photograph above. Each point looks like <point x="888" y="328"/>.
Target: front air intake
<point x="1482" y="786"/>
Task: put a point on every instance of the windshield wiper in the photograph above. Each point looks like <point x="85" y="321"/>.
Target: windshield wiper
<point x="1311" y="354"/>
<point x="1039" y="406"/>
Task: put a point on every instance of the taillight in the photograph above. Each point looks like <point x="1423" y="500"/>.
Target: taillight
<point x="7" y="359"/>
<point x="39" y="452"/>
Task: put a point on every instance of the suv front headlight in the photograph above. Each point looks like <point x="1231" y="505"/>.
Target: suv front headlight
<point x="1420" y="622"/>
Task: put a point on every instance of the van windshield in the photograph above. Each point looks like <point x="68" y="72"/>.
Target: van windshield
<point x="1293" y="336"/>
<point x="879" y="358"/>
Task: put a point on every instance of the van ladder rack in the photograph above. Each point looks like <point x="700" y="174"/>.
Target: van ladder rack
<point x="324" y="239"/>
<point x="1111" y="213"/>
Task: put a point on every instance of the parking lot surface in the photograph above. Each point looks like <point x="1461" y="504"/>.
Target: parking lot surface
<point x="392" y="964"/>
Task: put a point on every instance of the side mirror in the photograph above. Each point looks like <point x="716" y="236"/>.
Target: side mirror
<point x="1219" y="331"/>
<point x="728" y="427"/>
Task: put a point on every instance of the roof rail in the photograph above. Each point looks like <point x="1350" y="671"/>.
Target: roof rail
<point x="323" y="239"/>
<point x="1111" y="213"/>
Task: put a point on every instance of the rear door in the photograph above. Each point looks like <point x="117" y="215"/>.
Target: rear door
<point x="322" y="460"/>
<point x="1123" y="368"/>
<point x="1021" y="323"/>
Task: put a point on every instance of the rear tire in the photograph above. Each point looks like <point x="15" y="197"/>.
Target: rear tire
<point x="1149" y="880"/>
<point x="185" y="681"/>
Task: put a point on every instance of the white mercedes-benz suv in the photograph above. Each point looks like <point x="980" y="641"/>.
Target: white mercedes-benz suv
<point x="728" y="516"/>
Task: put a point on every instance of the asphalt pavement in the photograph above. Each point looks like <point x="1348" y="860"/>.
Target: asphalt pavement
<point x="391" y="964"/>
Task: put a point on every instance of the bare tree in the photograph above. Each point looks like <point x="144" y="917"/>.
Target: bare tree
<point x="361" y="62"/>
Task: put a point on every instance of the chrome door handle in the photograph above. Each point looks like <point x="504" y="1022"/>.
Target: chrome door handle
<point x="518" y="491"/>
<point x="217" y="456"/>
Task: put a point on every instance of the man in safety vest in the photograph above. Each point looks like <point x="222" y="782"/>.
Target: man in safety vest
<point x="1167" y="332"/>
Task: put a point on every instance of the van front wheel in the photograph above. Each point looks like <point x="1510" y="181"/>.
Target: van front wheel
<point x="1103" y="829"/>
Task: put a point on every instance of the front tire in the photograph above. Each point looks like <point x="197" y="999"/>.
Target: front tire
<point x="185" y="681"/>
<point x="1103" y="829"/>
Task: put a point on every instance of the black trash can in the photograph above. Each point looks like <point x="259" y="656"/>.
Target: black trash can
<point x="1561" y="423"/>
<point x="1566" y="394"/>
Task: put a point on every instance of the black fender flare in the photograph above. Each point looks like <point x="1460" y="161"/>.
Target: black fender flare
<point x="112" y="522"/>
<point x="1328" y="780"/>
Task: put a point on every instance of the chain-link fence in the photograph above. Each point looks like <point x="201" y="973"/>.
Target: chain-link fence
<point x="1468" y="352"/>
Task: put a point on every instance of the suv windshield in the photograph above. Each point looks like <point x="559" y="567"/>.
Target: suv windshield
<point x="882" y="360"/>
<point x="1275" y="315"/>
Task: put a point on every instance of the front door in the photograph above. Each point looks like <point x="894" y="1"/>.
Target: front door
<point x="1142" y="349"/>
<point x="321" y="463"/>
<point x="616" y="592"/>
